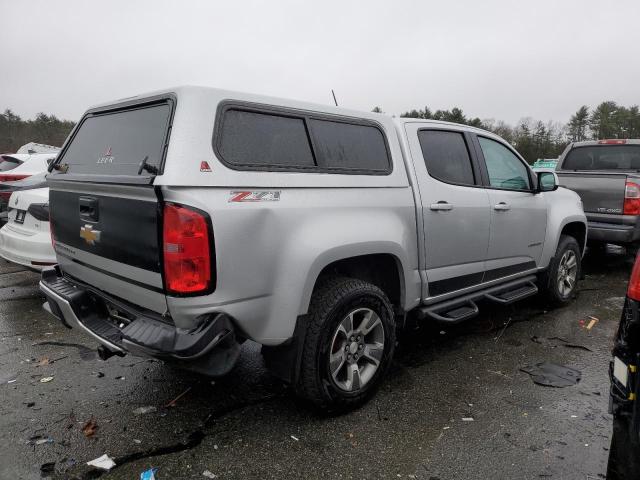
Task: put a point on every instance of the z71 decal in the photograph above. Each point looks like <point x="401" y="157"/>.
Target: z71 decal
<point x="261" y="196"/>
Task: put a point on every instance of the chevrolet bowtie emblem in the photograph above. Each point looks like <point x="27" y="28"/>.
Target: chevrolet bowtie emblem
<point x="89" y="235"/>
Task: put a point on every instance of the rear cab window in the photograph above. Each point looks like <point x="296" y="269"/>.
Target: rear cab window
<point x="115" y="143"/>
<point x="603" y="157"/>
<point x="252" y="138"/>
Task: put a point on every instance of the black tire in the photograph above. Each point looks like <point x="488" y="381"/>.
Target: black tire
<point x="549" y="281"/>
<point x="624" y="454"/>
<point x="333" y="300"/>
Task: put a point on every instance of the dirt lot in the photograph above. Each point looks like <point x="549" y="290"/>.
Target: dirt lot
<point x="248" y="425"/>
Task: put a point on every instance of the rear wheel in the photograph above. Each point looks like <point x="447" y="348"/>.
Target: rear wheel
<point x="349" y="343"/>
<point x="560" y="281"/>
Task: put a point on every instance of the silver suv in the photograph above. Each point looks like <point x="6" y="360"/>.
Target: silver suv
<point x="190" y="220"/>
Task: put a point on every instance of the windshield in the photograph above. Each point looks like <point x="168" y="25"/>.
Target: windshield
<point x="8" y="163"/>
<point x="116" y="143"/>
<point x="605" y="157"/>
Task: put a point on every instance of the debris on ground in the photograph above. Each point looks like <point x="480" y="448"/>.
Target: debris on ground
<point x="46" y="469"/>
<point x="44" y="361"/>
<point x="46" y="379"/>
<point x="149" y="474"/>
<point x="295" y="438"/>
<point x="39" y="440"/>
<point x="144" y="410"/>
<point x="90" y="428"/>
<point x="11" y="381"/>
<point x="467" y="419"/>
<point x="104" y="462"/>
<point x="209" y="474"/>
<point x="97" y="374"/>
<point x="562" y="341"/>
<point x="552" y="375"/>
<point x="590" y="324"/>
<point x="120" y="377"/>
<point x="173" y="402"/>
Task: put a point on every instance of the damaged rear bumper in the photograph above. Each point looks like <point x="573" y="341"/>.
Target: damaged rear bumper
<point x="211" y="348"/>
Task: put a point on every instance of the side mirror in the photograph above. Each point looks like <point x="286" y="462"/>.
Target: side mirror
<point x="547" y="181"/>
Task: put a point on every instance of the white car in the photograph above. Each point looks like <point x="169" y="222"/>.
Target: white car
<point x="26" y="239"/>
<point x="31" y="164"/>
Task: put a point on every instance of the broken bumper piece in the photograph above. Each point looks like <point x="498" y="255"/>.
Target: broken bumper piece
<point x="211" y="348"/>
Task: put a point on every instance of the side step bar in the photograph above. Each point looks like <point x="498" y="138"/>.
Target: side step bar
<point x="462" y="308"/>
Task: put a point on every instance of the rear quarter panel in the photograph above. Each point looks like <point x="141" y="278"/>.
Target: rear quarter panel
<point x="269" y="254"/>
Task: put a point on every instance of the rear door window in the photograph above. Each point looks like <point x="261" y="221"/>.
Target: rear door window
<point x="116" y="143"/>
<point x="506" y="171"/>
<point x="266" y="140"/>
<point x="606" y="157"/>
<point x="446" y="156"/>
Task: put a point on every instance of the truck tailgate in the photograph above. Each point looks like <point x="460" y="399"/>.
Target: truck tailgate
<point x="600" y="192"/>
<point x="107" y="237"/>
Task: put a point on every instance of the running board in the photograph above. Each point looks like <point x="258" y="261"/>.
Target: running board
<point x="463" y="308"/>
<point x="513" y="295"/>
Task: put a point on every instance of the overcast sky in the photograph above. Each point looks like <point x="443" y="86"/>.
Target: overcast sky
<point x="494" y="59"/>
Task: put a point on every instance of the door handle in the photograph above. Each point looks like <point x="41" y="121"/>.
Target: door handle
<point x="502" y="207"/>
<point x="441" y="205"/>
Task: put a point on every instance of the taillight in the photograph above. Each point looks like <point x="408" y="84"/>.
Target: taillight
<point x="12" y="178"/>
<point x="631" y="198"/>
<point x="186" y="250"/>
<point x="633" y="291"/>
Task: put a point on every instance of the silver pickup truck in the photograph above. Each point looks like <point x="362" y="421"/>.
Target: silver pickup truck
<point x="606" y="175"/>
<point x="190" y="220"/>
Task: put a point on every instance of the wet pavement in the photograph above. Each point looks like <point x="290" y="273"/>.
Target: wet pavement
<point x="455" y="405"/>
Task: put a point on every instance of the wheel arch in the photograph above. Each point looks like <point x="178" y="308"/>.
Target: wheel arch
<point x="382" y="267"/>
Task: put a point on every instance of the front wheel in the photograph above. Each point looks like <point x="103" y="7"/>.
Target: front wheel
<point x="349" y="343"/>
<point x="560" y="281"/>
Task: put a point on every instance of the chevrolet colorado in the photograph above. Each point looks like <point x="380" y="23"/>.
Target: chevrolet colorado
<point x="189" y="220"/>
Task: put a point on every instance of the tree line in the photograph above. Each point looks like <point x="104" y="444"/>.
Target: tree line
<point x="532" y="138"/>
<point x="535" y="139"/>
<point x="47" y="129"/>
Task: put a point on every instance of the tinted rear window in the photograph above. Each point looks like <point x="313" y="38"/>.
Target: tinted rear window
<point x="345" y="145"/>
<point x="605" y="157"/>
<point x="258" y="139"/>
<point x="8" y="163"/>
<point x="274" y="141"/>
<point x="446" y="156"/>
<point x="116" y="143"/>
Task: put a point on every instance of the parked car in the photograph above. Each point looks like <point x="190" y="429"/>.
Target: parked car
<point x="26" y="238"/>
<point x="30" y="165"/>
<point x="606" y="175"/>
<point x="7" y="188"/>
<point x="312" y="230"/>
<point x="624" y="454"/>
